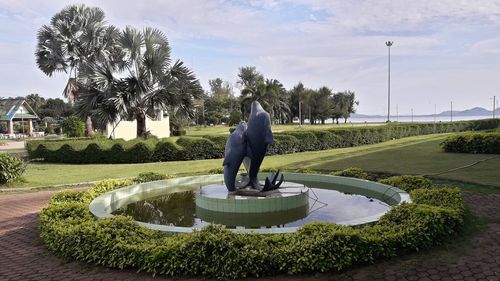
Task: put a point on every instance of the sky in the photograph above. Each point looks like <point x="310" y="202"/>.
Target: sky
<point x="444" y="50"/>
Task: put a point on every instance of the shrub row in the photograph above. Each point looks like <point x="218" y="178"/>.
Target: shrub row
<point x="488" y="142"/>
<point x="11" y="168"/>
<point x="68" y="230"/>
<point x="208" y="147"/>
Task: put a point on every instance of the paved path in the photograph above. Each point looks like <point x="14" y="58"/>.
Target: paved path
<point x="12" y="145"/>
<point x="23" y="256"/>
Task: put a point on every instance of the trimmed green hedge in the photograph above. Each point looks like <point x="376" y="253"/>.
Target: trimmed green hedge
<point x="68" y="230"/>
<point x="11" y="168"/>
<point x="209" y="147"/>
<point x="408" y="183"/>
<point x="352" y="173"/>
<point x="488" y="143"/>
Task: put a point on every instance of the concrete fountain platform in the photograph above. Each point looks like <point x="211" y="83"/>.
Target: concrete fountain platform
<point x="216" y="198"/>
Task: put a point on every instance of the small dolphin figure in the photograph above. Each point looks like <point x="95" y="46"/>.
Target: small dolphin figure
<point x="235" y="151"/>
<point x="259" y="136"/>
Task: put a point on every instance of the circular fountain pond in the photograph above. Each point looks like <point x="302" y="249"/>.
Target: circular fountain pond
<point x="184" y="204"/>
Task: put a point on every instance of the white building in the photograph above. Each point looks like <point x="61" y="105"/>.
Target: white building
<point x="127" y="130"/>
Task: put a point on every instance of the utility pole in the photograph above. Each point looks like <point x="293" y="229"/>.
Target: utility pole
<point x="412" y="115"/>
<point x="494" y="103"/>
<point x="300" y="112"/>
<point x="389" y="44"/>
<point x="451" y="111"/>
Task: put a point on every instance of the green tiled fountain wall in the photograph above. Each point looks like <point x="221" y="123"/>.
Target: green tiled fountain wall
<point x="102" y="206"/>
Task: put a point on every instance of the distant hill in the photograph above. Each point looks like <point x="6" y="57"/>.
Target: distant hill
<point x="476" y="111"/>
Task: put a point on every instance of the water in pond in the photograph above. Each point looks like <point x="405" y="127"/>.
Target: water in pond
<point x="179" y="209"/>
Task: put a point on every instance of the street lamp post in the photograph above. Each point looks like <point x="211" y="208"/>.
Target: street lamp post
<point x="451" y="111"/>
<point x="389" y="44"/>
<point x="22" y="121"/>
<point x="494" y="98"/>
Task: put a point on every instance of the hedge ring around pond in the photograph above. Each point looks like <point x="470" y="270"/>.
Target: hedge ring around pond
<point x="70" y="231"/>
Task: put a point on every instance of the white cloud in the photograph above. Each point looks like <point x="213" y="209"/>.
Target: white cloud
<point x="446" y="46"/>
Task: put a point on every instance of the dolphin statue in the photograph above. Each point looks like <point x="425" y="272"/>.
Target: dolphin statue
<point x="235" y="151"/>
<point x="258" y="136"/>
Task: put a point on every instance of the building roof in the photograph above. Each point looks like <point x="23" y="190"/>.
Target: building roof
<point x="9" y="109"/>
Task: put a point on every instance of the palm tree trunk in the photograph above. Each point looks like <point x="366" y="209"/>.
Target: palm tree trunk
<point x="141" y="124"/>
<point x="89" y="130"/>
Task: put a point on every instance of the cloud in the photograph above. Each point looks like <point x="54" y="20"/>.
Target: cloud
<point x="335" y="43"/>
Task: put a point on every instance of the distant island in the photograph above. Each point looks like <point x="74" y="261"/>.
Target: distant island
<point x="476" y="111"/>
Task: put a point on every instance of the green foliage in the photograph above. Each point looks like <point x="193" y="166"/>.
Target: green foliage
<point x="69" y="230"/>
<point x="352" y="173"/>
<point x="151" y="176"/>
<point x="473" y="143"/>
<point x="198" y="148"/>
<point x="73" y="127"/>
<point x="407" y="183"/>
<point x="307" y="141"/>
<point x="441" y="197"/>
<point x="11" y="168"/>
<point x="283" y="144"/>
<point x="216" y="171"/>
<point x="100" y="150"/>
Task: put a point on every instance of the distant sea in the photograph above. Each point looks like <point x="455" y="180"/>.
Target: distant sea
<point x="408" y="119"/>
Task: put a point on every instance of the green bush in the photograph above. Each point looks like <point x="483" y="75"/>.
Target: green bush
<point x="69" y="230"/>
<point x="166" y="150"/>
<point x="283" y="144"/>
<point x="11" y="168"/>
<point x="441" y="197"/>
<point x="198" y="148"/>
<point x="407" y="183"/>
<point x="100" y="150"/>
<point x="352" y="173"/>
<point x="326" y="140"/>
<point x="307" y="141"/>
<point x="73" y="127"/>
<point x="151" y="176"/>
<point x="488" y="143"/>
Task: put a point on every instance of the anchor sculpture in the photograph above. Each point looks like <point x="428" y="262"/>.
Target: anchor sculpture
<point x="248" y="145"/>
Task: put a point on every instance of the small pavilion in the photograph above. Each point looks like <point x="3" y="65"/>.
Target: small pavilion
<point x="17" y="110"/>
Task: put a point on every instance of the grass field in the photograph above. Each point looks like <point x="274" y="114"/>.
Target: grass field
<point x="414" y="155"/>
<point x="424" y="158"/>
<point x="224" y="130"/>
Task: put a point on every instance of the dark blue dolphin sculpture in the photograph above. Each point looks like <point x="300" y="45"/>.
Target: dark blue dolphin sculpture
<point x="259" y="136"/>
<point x="248" y="144"/>
<point x="236" y="150"/>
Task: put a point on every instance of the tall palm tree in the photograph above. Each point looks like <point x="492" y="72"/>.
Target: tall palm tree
<point x="143" y="84"/>
<point x="75" y="37"/>
<point x="270" y="93"/>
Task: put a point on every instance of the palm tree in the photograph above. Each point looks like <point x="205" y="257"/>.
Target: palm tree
<point x="75" y="37"/>
<point x="143" y="84"/>
<point x="270" y="93"/>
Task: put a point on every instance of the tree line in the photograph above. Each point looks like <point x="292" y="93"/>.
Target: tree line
<point x="220" y="105"/>
<point x="116" y="75"/>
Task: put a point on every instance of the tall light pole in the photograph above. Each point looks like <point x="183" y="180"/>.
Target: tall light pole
<point x="389" y="44"/>
<point x="494" y="103"/>
<point x="451" y="111"/>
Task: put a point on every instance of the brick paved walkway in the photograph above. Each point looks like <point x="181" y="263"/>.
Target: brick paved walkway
<point x="23" y="256"/>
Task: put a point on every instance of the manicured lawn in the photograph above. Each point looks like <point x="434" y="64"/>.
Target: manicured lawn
<point x="414" y="155"/>
<point x="45" y="174"/>
<point x="424" y="158"/>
